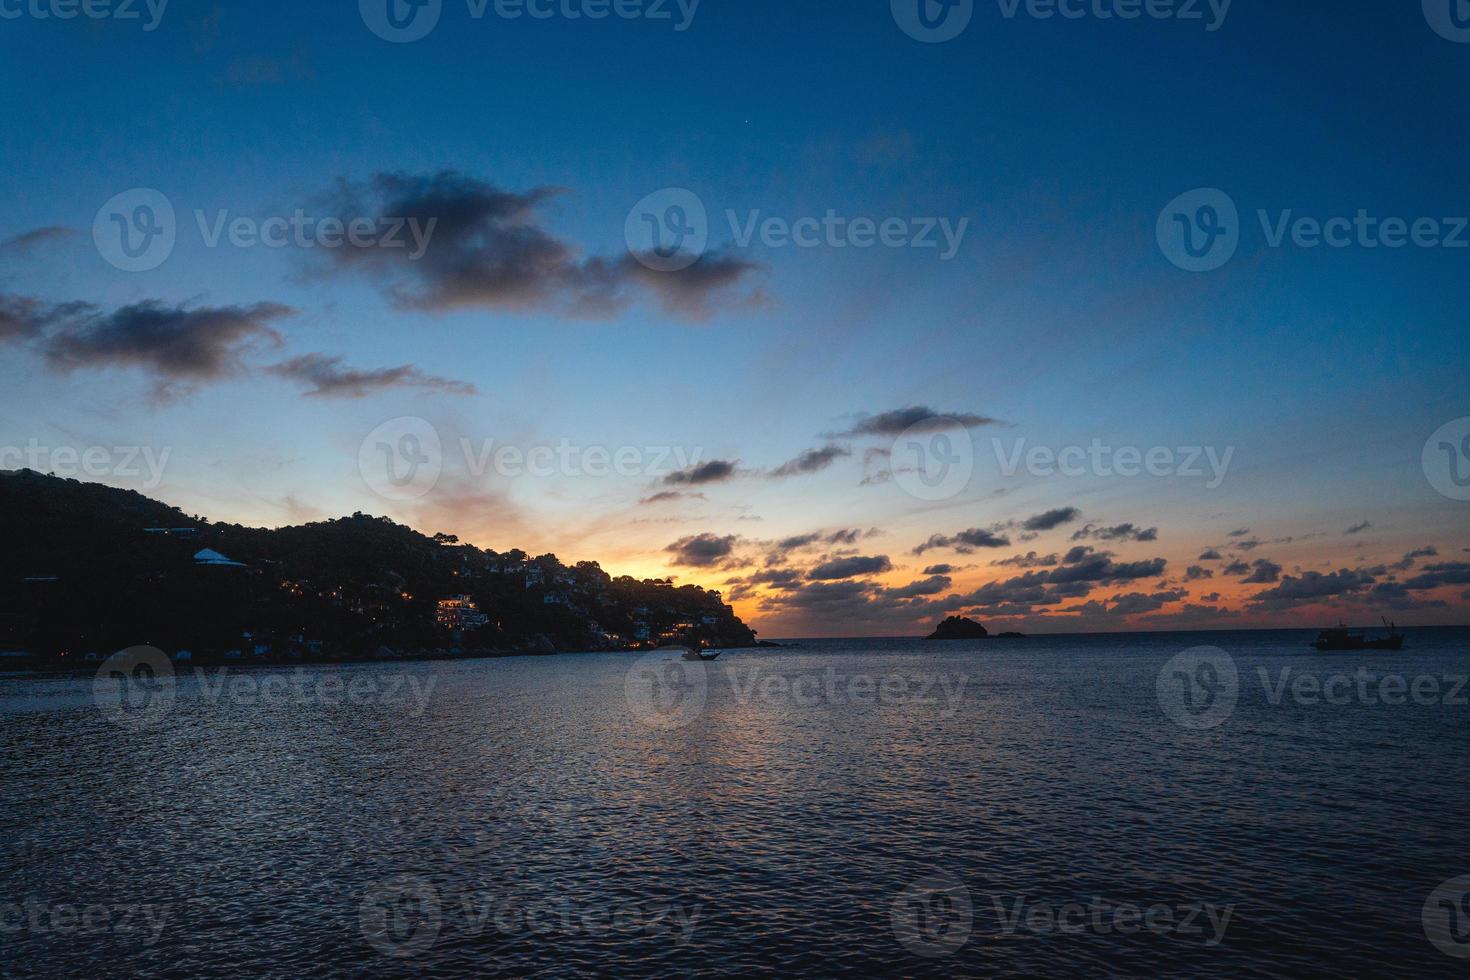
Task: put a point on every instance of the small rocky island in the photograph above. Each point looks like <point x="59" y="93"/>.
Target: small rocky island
<point x="959" y="628"/>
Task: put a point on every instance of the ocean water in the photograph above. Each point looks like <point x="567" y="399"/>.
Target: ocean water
<point x="1159" y="805"/>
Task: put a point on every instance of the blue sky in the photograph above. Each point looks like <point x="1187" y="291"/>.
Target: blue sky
<point x="1058" y="141"/>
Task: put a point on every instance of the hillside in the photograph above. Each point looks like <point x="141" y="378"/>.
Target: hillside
<point x="92" y="569"/>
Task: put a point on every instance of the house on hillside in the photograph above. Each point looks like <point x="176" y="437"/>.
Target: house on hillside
<point x="208" y="557"/>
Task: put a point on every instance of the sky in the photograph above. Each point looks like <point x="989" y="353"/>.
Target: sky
<point x="864" y="314"/>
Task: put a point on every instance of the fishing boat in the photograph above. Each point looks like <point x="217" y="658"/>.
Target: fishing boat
<point x="1342" y="638"/>
<point x="696" y="655"/>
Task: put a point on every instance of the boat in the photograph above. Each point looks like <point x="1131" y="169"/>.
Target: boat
<point x="1342" y="638"/>
<point x="696" y="655"/>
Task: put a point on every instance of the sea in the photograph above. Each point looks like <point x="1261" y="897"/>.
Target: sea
<point x="1214" y="804"/>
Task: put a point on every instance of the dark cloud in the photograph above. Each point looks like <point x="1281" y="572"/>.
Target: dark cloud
<point x="1240" y="532"/>
<point x="939" y="570"/>
<point x="1051" y="519"/>
<point x="1250" y="544"/>
<point x="1135" y="603"/>
<point x="1210" y="554"/>
<point x="844" y="568"/>
<point x="1118" y="532"/>
<point x="965" y="542"/>
<point x="665" y="496"/>
<point x="924" y="587"/>
<point x="1029" y="560"/>
<point x="1196" y="572"/>
<point x="1237" y="568"/>
<point x="174" y="342"/>
<point x="715" y="471"/>
<point x="330" y="378"/>
<point x="1444" y="573"/>
<point x="1407" y="562"/>
<point x="26" y="241"/>
<point x="1358" y="528"/>
<point x="1263" y="572"/>
<point x="901" y="420"/>
<point x="488" y="249"/>
<point x="26" y="318"/>
<point x="812" y="461"/>
<point x="1311" y="587"/>
<point x="702" y="550"/>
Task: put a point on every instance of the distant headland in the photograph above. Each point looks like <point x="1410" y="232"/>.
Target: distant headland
<point x="98" y="569"/>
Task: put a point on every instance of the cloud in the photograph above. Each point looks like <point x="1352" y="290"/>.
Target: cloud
<point x="923" y="587"/>
<point x="665" y="496"/>
<point x="25" y="242"/>
<point x="811" y="461"/>
<point x="1118" y="532"/>
<point x="901" y="420"/>
<point x="939" y="570"/>
<point x="1311" y="587"/>
<point x="174" y="342"/>
<point x="1210" y="554"/>
<point x="1029" y="560"/>
<point x="715" y="471"/>
<point x="844" y="568"/>
<point x="487" y="249"/>
<point x="1196" y="572"/>
<point x="1237" y="568"/>
<point x="702" y="550"/>
<point x="1240" y="532"/>
<point x="329" y="378"/>
<point x="1135" y="603"/>
<point x="1444" y="573"/>
<point x="1051" y="519"/>
<point x="965" y="542"/>
<point x="1263" y="572"/>
<point x="25" y="317"/>
<point x="1407" y="562"/>
<point x="1358" y="528"/>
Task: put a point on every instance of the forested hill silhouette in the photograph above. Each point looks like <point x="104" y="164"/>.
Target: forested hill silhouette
<point x="88" y="569"/>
